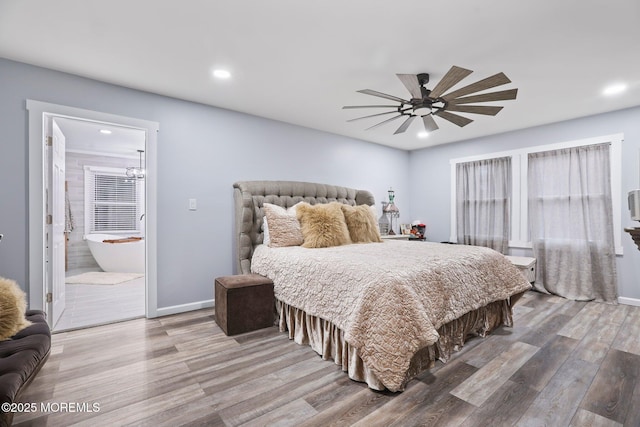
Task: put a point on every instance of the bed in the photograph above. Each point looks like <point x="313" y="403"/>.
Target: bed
<point x="384" y="311"/>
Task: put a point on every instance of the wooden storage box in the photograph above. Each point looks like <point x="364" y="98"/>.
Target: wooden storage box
<point x="526" y="265"/>
<point x="244" y="303"/>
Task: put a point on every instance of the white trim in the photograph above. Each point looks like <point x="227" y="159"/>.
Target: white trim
<point x="183" y="308"/>
<point x="453" y="233"/>
<point x="37" y="112"/>
<point x="106" y="169"/>
<point x="539" y="148"/>
<point x="629" y="301"/>
<point x="519" y="210"/>
<point x="101" y="154"/>
<point x="523" y="240"/>
<point x="615" y="160"/>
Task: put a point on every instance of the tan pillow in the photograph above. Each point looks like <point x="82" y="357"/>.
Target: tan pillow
<point x="362" y="224"/>
<point x="284" y="228"/>
<point x="323" y="225"/>
<point x="13" y="306"/>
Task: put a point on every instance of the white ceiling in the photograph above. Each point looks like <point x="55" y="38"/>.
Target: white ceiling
<point x="86" y="136"/>
<point x="300" y="62"/>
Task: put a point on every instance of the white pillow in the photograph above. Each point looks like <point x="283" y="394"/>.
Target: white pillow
<point x="282" y="226"/>
<point x="265" y="231"/>
<point x="374" y="211"/>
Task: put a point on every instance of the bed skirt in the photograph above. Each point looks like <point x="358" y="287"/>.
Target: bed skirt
<point x="328" y="340"/>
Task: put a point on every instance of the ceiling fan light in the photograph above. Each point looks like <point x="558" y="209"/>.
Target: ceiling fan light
<point x="422" y="110"/>
<point x="423" y="135"/>
<point x="439" y="102"/>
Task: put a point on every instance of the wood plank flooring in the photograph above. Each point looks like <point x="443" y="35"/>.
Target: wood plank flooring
<point x="564" y="363"/>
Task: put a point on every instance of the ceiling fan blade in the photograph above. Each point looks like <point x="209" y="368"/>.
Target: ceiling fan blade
<point x="502" y="95"/>
<point x="404" y="126"/>
<point x="429" y="124"/>
<point x="383" y="95"/>
<point x="386" y="121"/>
<point x="373" y="115"/>
<point x="348" y="107"/>
<point x="493" y="81"/>
<point x="453" y="76"/>
<point x="453" y="118"/>
<point x="410" y="81"/>
<point x="475" y="109"/>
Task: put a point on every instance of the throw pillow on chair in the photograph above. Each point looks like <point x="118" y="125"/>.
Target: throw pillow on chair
<point x="13" y="306"/>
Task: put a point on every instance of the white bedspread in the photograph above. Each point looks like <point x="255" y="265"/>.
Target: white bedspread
<point x="389" y="298"/>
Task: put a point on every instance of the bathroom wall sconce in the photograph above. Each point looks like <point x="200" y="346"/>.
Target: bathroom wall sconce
<point x="136" y="172"/>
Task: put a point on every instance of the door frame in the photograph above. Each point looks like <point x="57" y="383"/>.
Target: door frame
<point x="55" y="271"/>
<point x="37" y="196"/>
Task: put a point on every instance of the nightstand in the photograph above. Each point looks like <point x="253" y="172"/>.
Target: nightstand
<point x="395" y="237"/>
<point x="526" y="265"/>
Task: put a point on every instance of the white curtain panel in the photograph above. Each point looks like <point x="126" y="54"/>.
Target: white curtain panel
<point x="571" y="222"/>
<point x="484" y="203"/>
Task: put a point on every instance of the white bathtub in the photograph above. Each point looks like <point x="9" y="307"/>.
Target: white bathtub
<point x="117" y="257"/>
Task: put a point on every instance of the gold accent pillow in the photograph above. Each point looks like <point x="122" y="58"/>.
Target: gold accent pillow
<point x="323" y="225"/>
<point x="362" y="224"/>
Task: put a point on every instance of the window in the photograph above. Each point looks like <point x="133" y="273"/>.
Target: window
<point x="113" y="202"/>
<point x="484" y="202"/>
<point x="519" y="236"/>
<point x="571" y="222"/>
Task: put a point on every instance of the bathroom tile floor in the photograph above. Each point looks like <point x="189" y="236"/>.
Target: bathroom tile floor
<point x="91" y="305"/>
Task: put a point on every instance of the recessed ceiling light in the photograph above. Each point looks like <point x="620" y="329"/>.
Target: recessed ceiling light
<point x="423" y="135"/>
<point x="105" y="131"/>
<point x="614" y="89"/>
<point x="221" y="74"/>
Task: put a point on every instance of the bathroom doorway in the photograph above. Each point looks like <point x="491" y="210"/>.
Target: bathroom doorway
<point x="101" y="202"/>
<point x="104" y="224"/>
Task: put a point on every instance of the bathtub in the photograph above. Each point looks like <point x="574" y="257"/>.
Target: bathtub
<point x="117" y="257"/>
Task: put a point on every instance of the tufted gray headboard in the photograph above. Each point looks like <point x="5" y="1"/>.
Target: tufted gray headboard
<point x="249" y="197"/>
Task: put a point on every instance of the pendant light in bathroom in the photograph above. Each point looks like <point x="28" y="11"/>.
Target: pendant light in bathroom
<point x="136" y="172"/>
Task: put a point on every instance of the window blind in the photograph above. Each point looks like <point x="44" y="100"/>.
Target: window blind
<point x="113" y="202"/>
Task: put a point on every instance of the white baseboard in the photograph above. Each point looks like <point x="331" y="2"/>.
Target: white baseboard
<point x="182" y="308"/>
<point x="629" y="301"/>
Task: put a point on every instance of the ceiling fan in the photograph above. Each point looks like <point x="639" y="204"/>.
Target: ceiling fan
<point x="426" y="104"/>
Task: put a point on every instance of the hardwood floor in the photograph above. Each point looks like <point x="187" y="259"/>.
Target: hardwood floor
<point x="564" y="363"/>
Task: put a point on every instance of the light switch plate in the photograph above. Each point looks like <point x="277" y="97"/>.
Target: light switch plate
<point x="193" y="205"/>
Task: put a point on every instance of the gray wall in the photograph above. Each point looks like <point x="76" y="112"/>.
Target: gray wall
<point x="202" y="150"/>
<point x="430" y="175"/>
